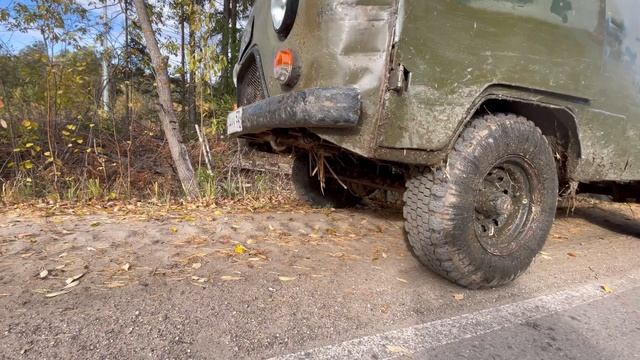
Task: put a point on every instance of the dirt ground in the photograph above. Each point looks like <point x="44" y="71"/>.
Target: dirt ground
<point x="174" y="282"/>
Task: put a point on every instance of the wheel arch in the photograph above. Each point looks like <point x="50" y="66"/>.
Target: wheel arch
<point x="550" y="112"/>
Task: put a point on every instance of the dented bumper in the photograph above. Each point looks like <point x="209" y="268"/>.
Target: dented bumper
<point x="338" y="108"/>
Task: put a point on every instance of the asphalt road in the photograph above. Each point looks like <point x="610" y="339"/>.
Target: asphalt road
<point x="603" y="329"/>
<point x="585" y="322"/>
<point x="188" y="283"/>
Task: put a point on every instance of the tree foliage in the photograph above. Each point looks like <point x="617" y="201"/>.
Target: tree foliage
<point x="53" y="131"/>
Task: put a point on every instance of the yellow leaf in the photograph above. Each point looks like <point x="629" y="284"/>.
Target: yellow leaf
<point x="606" y="289"/>
<point x="3" y="124"/>
<point x="240" y="249"/>
<point x="27" y="164"/>
<point x="28" y="145"/>
<point x="458" y="296"/>
<point x="286" y="278"/>
<point x="174" y="229"/>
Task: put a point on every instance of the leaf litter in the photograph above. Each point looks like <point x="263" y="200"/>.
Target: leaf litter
<point x="44" y="273"/>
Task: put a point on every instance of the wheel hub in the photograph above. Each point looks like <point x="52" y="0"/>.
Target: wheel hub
<point x="503" y="206"/>
<point x="494" y="204"/>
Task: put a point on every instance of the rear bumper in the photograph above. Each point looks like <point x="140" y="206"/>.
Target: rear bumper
<point x="311" y="108"/>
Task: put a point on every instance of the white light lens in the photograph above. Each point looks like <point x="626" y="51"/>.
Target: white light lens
<point x="278" y="9"/>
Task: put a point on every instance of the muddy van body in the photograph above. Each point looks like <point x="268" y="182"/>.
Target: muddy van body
<point x="481" y="111"/>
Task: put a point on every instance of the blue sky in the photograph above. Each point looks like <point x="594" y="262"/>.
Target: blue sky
<point x="15" y="40"/>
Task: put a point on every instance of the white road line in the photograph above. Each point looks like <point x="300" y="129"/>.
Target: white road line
<point x="420" y="337"/>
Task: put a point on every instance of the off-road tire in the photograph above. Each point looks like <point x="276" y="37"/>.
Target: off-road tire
<point x="307" y="187"/>
<point x="440" y="204"/>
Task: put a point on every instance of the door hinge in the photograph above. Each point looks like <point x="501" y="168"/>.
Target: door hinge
<point x="400" y="79"/>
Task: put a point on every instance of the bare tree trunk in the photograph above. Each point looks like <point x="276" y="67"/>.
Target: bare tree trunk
<point x="193" y="49"/>
<point x="233" y="36"/>
<point x="226" y="33"/>
<point x="167" y="115"/>
<point x="183" y="62"/>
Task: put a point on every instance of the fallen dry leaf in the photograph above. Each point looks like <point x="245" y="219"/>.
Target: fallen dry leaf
<point x="572" y="254"/>
<point x="114" y="284"/>
<point x="544" y="255"/>
<point x="70" y="285"/>
<point x="57" y="293"/>
<point x="44" y="273"/>
<point x="174" y="229"/>
<point x="74" y="278"/>
<point x="196" y="265"/>
<point x="230" y="278"/>
<point x="458" y="296"/>
<point x="385" y="308"/>
<point x="606" y="289"/>
<point x="398" y="349"/>
<point x="126" y="267"/>
<point x="286" y="278"/>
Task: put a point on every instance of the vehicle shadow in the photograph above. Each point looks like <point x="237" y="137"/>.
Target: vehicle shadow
<point x="610" y="219"/>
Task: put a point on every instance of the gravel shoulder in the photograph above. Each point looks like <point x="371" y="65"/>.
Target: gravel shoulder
<point x="176" y="282"/>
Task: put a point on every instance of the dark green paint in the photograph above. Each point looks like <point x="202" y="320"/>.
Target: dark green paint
<point x="582" y="56"/>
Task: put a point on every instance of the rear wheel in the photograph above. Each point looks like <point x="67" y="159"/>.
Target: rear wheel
<point x="308" y="187"/>
<point x="481" y="219"/>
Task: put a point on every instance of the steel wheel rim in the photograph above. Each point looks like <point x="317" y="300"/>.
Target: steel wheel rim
<point x="504" y="205"/>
